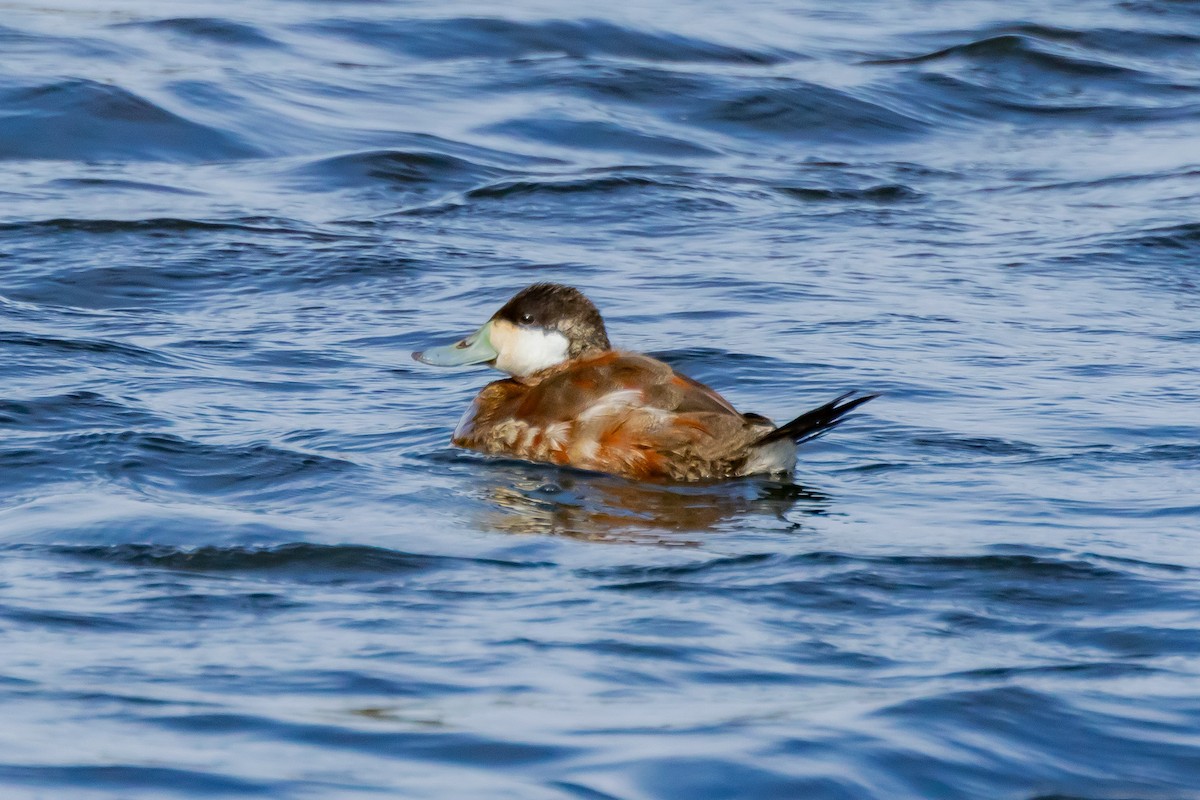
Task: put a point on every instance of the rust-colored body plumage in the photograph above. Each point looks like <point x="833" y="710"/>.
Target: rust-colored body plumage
<point x="620" y="413"/>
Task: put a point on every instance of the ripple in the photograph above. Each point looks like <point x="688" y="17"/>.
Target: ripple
<point x="493" y="38"/>
<point x="978" y="444"/>
<point x="55" y="619"/>
<point x="679" y="570"/>
<point x="17" y="42"/>
<point x="151" y="461"/>
<point x="73" y="411"/>
<point x="568" y="184"/>
<point x="704" y="779"/>
<point x="165" y="461"/>
<point x="1020" y="50"/>
<point x="157" y="226"/>
<point x="85" y="349"/>
<point x="608" y="194"/>
<point x="208" y="29"/>
<point x="181" y="256"/>
<point x="1121" y="42"/>
<point x="1014" y="721"/>
<point x="595" y="135"/>
<point x="786" y="107"/>
<point x="884" y="586"/>
<point x="1030" y="72"/>
<point x="136" y="778"/>
<point x="452" y="747"/>
<point x="107" y="185"/>
<point x="1184" y="238"/>
<point x="85" y="119"/>
<point x="402" y="169"/>
<point x="884" y="193"/>
<point x="305" y="562"/>
<point x="1156" y="255"/>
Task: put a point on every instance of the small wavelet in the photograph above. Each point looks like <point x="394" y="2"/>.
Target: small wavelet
<point x="1179" y="238"/>
<point x="85" y="348"/>
<point x="72" y="411"/>
<point x="170" y="462"/>
<point x="982" y="445"/>
<point x="494" y="38"/>
<point x="881" y="193"/>
<point x="81" y="119"/>
<point x="161" y="227"/>
<point x="154" y="463"/>
<point x="791" y="108"/>
<point x="18" y="43"/>
<point x="108" y="185"/>
<point x="1027" y="72"/>
<point x="599" y="135"/>
<point x="1024" y="51"/>
<point x="404" y="170"/>
<point x="305" y="562"/>
<point x="607" y="194"/>
<point x="1157" y="256"/>
<point x="177" y="256"/>
<point x="208" y="29"/>
<point x="1008" y="722"/>
<point x="133" y="778"/>
<point x="566" y="184"/>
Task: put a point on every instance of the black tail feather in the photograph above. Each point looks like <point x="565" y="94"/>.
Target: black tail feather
<point x="812" y="424"/>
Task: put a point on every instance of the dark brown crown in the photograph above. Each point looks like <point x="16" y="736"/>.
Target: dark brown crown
<point x="562" y="308"/>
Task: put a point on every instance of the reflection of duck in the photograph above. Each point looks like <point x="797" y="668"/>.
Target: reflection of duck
<point x="607" y="509"/>
<point x="573" y="400"/>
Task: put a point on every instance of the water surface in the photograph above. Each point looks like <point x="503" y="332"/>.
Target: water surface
<point x="239" y="558"/>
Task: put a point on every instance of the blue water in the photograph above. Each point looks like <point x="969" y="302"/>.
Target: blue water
<point x="238" y="557"/>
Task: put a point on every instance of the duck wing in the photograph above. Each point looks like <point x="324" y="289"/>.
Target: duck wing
<point x="633" y="415"/>
<point x="620" y="413"/>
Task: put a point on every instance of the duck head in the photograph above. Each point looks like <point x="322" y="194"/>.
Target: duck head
<point x="540" y="327"/>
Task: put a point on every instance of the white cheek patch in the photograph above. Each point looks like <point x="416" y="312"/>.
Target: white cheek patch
<point x="525" y="351"/>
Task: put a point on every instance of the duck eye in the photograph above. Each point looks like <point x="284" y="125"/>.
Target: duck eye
<point x="526" y="319"/>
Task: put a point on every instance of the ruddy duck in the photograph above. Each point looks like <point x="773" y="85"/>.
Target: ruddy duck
<point x="574" y="401"/>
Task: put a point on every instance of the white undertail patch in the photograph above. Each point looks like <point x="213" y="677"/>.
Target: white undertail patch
<point x="777" y="456"/>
